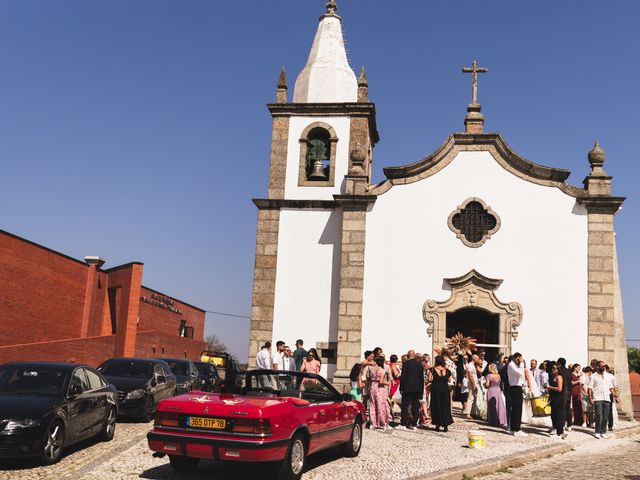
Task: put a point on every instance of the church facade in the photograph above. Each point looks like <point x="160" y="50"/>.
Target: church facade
<point x="472" y="238"/>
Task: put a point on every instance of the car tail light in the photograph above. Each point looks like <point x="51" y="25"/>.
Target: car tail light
<point x="167" y="419"/>
<point x="259" y="426"/>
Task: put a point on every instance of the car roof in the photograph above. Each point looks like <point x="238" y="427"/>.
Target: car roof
<point x="135" y="359"/>
<point x="164" y="359"/>
<point x="203" y="364"/>
<point x="62" y="365"/>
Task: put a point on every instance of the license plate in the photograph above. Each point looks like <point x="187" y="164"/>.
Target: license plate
<point x="212" y="423"/>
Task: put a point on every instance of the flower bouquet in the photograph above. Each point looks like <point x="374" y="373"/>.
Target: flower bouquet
<point x="458" y="344"/>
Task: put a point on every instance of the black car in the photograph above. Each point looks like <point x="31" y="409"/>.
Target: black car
<point x="141" y="384"/>
<point x="209" y="378"/>
<point x="186" y="374"/>
<point x="45" y="407"/>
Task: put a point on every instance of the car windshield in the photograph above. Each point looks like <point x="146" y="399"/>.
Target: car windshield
<point x="178" y="367"/>
<point x="127" y="369"/>
<point x="32" y="379"/>
<point x="290" y="384"/>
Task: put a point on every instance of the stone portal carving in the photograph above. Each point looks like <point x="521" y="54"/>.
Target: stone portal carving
<point x="473" y="290"/>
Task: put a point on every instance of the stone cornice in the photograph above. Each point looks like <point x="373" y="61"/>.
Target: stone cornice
<point x="278" y="203"/>
<point x="602" y="204"/>
<point x="355" y="200"/>
<point x="475" y="278"/>
<point x="491" y="142"/>
<point x="364" y="109"/>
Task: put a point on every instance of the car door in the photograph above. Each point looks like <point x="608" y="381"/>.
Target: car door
<point x="80" y="405"/>
<point x="99" y="400"/>
<point x="170" y="379"/>
<point x="159" y="384"/>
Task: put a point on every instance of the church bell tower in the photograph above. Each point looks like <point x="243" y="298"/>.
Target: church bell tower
<point x="320" y="165"/>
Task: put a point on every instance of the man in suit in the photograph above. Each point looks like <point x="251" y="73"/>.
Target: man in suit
<point x="412" y="389"/>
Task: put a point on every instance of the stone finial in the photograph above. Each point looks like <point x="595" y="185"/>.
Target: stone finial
<point x="363" y="87"/>
<point x="332" y="7"/>
<point x="474" y="120"/>
<point x="596" y="158"/>
<point x="597" y="182"/>
<point x="281" y="92"/>
<point x="94" y="260"/>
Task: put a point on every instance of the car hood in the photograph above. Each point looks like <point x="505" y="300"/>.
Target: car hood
<point x="220" y="403"/>
<point x="26" y="406"/>
<point x="126" y="384"/>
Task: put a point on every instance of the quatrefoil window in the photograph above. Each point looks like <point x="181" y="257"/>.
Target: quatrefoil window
<point x="474" y="222"/>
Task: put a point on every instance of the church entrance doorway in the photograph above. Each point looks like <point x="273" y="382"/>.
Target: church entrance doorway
<point x="478" y="323"/>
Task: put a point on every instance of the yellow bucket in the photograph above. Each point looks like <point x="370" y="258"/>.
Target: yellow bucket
<point x="540" y="406"/>
<point x="477" y="439"/>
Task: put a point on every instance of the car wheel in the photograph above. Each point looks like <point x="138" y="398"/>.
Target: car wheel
<point x="352" y="447"/>
<point x="183" y="464"/>
<point x="149" y="409"/>
<point x="109" y="428"/>
<point x="293" y="464"/>
<point x="53" y="443"/>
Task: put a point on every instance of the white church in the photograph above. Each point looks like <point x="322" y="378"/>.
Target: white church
<point x="473" y="238"/>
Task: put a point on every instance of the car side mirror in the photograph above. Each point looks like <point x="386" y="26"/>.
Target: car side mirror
<point x="347" y="397"/>
<point x="75" y="390"/>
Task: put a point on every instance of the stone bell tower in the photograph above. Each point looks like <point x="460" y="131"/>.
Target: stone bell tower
<point x="312" y="222"/>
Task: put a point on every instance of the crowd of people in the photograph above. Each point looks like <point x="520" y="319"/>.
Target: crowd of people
<point x="504" y="392"/>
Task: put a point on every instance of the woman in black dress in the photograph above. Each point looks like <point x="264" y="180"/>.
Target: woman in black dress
<point x="557" y="399"/>
<point x="440" y="398"/>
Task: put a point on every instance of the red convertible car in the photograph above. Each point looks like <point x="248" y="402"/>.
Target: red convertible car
<point x="280" y="417"/>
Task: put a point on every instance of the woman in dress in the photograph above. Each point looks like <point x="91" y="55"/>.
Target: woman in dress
<point x="378" y="404"/>
<point x="440" y="398"/>
<point x="576" y="394"/>
<point x="395" y="375"/>
<point x="496" y="409"/>
<point x="311" y="364"/>
<point x="556" y="398"/>
<point x="354" y="377"/>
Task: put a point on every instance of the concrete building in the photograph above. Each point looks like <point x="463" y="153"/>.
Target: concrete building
<point x="54" y="307"/>
<point x="472" y="238"/>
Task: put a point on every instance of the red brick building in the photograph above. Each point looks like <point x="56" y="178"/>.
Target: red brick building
<point x="54" y="307"/>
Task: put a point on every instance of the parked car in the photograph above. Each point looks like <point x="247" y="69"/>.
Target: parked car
<point x="141" y="384"/>
<point x="280" y="417"/>
<point x="208" y="376"/>
<point x="186" y="374"/>
<point x="228" y="370"/>
<point x="45" y="407"/>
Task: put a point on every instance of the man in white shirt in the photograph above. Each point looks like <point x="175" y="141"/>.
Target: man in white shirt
<point x="278" y="358"/>
<point x="518" y="375"/>
<point x="263" y="358"/>
<point x="601" y="390"/>
<point x="289" y="361"/>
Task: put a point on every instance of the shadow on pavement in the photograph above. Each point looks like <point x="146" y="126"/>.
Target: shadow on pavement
<point x="28" y="463"/>
<point x="208" y="469"/>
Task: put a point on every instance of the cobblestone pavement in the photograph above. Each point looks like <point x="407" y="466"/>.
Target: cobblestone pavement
<point x="82" y="457"/>
<point x="611" y="459"/>
<point x="392" y="454"/>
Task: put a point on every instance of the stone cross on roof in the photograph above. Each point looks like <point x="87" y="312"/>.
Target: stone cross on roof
<point x="474" y="70"/>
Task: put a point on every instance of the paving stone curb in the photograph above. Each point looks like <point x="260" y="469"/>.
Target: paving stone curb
<point x="515" y="460"/>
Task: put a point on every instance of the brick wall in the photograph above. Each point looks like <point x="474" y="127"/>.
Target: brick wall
<point x="90" y="350"/>
<point x="153" y="344"/>
<point x="161" y="319"/>
<point x="41" y="292"/>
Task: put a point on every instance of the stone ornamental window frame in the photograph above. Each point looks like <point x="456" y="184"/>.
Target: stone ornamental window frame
<point x="460" y="235"/>
<point x="304" y="141"/>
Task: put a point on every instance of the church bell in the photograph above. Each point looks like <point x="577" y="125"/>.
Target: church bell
<point x="317" y="171"/>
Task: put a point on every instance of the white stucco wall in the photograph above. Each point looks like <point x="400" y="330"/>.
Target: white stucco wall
<point x="540" y="252"/>
<point x="342" y="126"/>
<point x="308" y="249"/>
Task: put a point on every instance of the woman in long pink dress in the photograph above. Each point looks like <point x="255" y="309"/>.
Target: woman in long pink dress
<point x="496" y="409"/>
<point x="378" y="405"/>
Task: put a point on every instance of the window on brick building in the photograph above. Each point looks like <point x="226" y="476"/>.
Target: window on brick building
<point x="113" y="304"/>
<point x="183" y="328"/>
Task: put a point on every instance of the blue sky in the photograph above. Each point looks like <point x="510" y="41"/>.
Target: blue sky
<point x="137" y="130"/>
